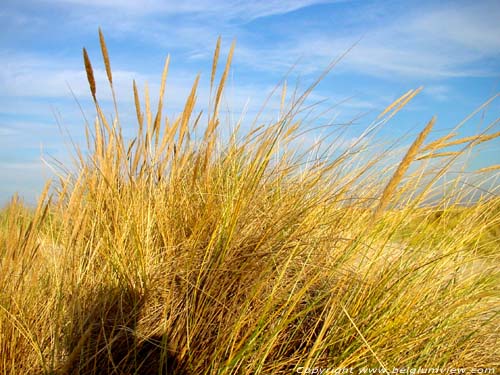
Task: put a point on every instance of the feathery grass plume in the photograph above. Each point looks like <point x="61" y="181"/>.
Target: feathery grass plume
<point x="213" y="119"/>
<point x="400" y="102"/>
<point x="402" y="168"/>
<point x="149" y="123"/>
<point x="214" y="63"/>
<point x="473" y="140"/>
<point x="187" y="112"/>
<point x="485" y="138"/>
<point x="107" y="65"/>
<point x="437" y="144"/>
<point x="460" y="141"/>
<point x="90" y="74"/>
<point x="395" y="103"/>
<point x="222" y="82"/>
<point x="159" y="110"/>
<point x="105" y="57"/>
<point x="137" y="104"/>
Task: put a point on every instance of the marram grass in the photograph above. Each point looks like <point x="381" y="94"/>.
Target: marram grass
<point x="168" y="254"/>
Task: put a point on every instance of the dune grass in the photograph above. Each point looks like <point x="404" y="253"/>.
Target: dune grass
<point x="249" y="254"/>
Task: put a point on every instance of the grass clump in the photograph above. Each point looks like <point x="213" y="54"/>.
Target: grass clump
<point x="172" y="254"/>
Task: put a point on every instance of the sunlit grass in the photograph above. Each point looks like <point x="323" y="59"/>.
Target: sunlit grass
<point x="253" y="254"/>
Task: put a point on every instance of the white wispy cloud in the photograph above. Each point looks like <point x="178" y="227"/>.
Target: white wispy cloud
<point x="221" y="9"/>
<point x="437" y="42"/>
<point x="30" y="77"/>
<point x="472" y="25"/>
<point x="438" y="92"/>
<point x="43" y="76"/>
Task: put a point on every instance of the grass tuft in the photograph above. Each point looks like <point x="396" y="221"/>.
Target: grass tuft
<point x="253" y="253"/>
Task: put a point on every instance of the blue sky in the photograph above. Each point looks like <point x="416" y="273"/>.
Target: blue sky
<point x="452" y="48"/>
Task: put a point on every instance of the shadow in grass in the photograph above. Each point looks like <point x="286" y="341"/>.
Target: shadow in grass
<point x="103" y="340"/>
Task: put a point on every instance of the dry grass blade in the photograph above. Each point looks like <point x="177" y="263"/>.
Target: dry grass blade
<point x="403" y="167"/>
<point x="90" y="74"/>
<point x="363" y="338"/>
<point x="438" y="155"/>
<point x="138" y="107"/>
<point x="283" y="98"/>
<point x="73" y="356"/>
<point x="489" y="169"/>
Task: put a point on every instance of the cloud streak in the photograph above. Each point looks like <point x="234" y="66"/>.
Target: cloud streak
<point x="438" y="43"/>
<point x="243" y="10"/>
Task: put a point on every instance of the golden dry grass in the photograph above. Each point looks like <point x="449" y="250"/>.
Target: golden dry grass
<point x="168" y="254"/>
